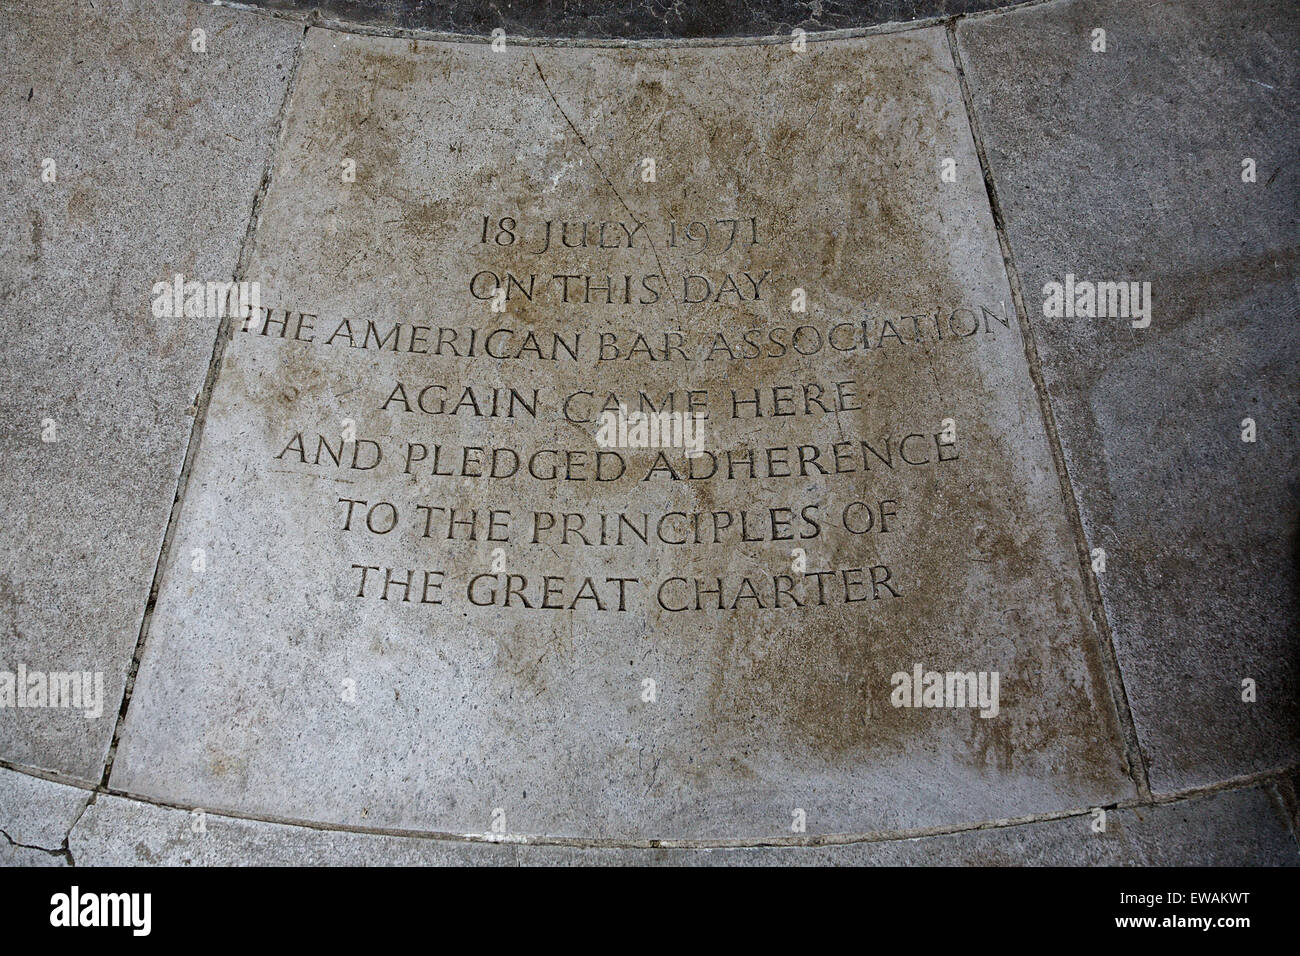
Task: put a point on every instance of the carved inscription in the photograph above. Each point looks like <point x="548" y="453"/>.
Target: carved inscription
<point x="622" y="436"/>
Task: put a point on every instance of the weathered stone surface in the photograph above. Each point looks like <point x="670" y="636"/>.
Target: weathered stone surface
<point x="308" y="692"/>
<point x="35" y="817"/>
<point x="26" y="856"/>
<point x="1236" y="828"/>
<point x="1127" y="165"/>
<point x="628" y="19"/>
<point x="118" y="832"/>
<point x="1289" y="792"/>
<point x="158" y="153"/>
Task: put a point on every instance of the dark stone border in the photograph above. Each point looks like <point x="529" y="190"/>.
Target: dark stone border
<point x="630" y="19"/>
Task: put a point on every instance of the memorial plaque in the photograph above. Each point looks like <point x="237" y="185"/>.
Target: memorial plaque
<point x="625" y="441"/>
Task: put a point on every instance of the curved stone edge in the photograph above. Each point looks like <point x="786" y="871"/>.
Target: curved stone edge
<point x="527" y="29"/>
<point x="1252" y="825"/>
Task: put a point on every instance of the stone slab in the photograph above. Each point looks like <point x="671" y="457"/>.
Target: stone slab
<point x="158" y="152"/>
<point x="35" y="817"/>
<point x="1234" y="828"/>
<point x="1127" y="165"/>
<point x="311" y="688"/>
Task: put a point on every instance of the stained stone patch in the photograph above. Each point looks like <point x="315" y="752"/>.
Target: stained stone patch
<point x="438" y="596"/>
<point x="131" y="158"/>
<point x="1168" y="159"/>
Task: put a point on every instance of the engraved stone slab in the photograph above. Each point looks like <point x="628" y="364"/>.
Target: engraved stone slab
<point x="438" y="596"/>
<point x="131" y="158"/>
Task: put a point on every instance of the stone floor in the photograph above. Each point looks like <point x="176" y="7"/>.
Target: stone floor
<point x="993" y="316"/>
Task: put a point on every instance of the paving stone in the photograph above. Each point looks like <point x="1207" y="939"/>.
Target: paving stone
<point x="35" y="817"/>
<point x="1126" y="165"/>
<point x="158" y="152"/>
<point x="312" y="689"/>
<point x="118" y="832"/>
<point x="1234" y="828"/>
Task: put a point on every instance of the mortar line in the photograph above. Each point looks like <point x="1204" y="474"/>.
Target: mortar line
<point x="1275" y="777"/>
<point x="603" y="175"/>
<point x="202" y="402"/>
<point x="1092" y="590"/>
<point x="320" y="20"/>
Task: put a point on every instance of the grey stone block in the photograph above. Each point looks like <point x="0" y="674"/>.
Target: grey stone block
<point x="1127" y="165"/>
<point x="158" y="152"/>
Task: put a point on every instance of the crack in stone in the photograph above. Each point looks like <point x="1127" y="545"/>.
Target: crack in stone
<point x="1272" y="779"/>
<point x="67" y="839"/>
<point x="827" y="840"/>
<point x="225" y="330"/>
<point x="608" y="182"/>
<point x="30" y="846"/>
